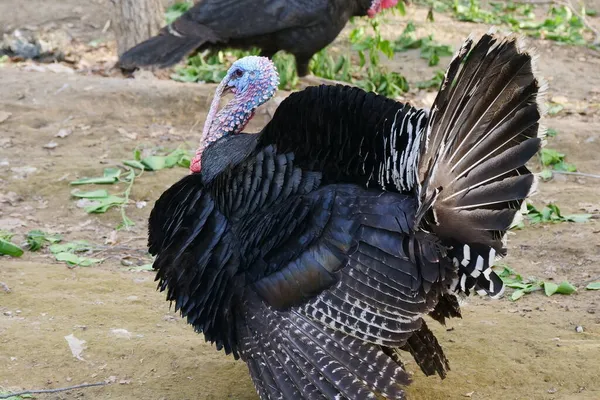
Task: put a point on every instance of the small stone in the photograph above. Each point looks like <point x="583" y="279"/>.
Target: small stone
<point x="50" y="145"/>
<point x="63" y="133"/>
<point x="552" y="390"/>
<point x="8" y="313"/>
<point x="579" y="329"/>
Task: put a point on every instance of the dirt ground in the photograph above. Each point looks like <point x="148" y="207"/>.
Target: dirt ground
<point x="500" y="349"/>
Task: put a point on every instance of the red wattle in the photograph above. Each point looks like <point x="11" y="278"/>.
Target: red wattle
<point x="195" y="164"/>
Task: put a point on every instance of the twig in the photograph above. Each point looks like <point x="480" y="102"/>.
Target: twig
<point x="64" y="389"/>
<point x="5" y="287"/>
<point x="576" y="173"/>
<point x="118" y="246"/>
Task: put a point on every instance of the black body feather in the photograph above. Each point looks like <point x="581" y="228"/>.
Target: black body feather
<point x="314" y="249"/>
<point x="300" y="27"/>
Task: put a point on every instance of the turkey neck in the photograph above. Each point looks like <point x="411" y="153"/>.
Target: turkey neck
<point x="231" y="119"/>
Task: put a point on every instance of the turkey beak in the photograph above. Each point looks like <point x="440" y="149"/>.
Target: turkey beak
<point x="229" y="87"/>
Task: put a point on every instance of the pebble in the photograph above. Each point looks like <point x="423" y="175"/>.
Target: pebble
<point x="579" y="329"/>
<point x="8" y="313"/>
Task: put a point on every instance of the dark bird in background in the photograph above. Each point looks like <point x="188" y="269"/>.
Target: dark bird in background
<point x="314" y="249"/>
<point x="300" y="27"/>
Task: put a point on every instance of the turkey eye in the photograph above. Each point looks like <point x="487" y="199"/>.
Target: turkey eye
<point x="238" y="73"/>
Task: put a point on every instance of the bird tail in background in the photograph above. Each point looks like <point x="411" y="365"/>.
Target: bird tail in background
<point x="170" y="46"/>
<point x="472" y="179"/>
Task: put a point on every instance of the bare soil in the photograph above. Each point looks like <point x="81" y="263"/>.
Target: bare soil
<point x="500" y="349"/>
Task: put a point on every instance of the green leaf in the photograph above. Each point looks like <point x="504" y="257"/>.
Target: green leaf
<point x="517" y="294"/>
<point x="134" y="164"/>
<point x="578" y="217"/>
<point x="74" y="259"/>
<point x="94" y="194"/>
<point x="125" y="223"/>
<point x="145" y="267"/>
<point x="10" y="249"/>
<point x="71" y="247"/>
<point x="566" y="288"/>
<point x="154" y="163"/>
<point x="554" y="109"/>
<point x="551" y="132"/>
<point x="550" y="156"/>
<point x="36" y="239"/>
<point x="104" y="204"/>
<point x="550" y="288"/>
<point x="546" y="174"/>
<point x="593" y="286"/>
<point x="111" y="175"/>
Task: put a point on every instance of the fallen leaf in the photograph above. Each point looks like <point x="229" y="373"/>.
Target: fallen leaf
<point x="559" y="100"/>
<point x="63" y="133"/>
<point x="76" y="345"/>
<point x="128" y="135"/>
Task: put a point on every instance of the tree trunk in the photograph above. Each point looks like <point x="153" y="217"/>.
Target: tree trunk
<point x="135" y="21"/>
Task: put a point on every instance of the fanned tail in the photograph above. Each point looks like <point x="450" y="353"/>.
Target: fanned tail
<point x="170" y="46"/>
<point x="472" y="178"/>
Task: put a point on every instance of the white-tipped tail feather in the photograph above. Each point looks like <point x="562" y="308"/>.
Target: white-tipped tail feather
<point x="472" y="179"/>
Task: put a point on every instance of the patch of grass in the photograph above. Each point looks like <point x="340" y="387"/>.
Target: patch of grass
<point x="525" y="286"/>
<point x="561" y="24"/>
<point x="361" y="66"/>
<point x="430" y="50"/>
<point x="175" y="10"/>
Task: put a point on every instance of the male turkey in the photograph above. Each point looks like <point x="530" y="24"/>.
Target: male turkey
<point x="300" y="27"/>
<point x="314" y="249"/>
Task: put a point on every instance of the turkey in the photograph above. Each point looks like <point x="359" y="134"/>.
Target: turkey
<point x="314" y="249"/>
<point x="300" y="27"/>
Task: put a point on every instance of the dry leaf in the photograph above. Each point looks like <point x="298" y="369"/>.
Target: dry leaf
<point x="4" y="115"/>
<point x="128" y="135"/>
<point x="76" y="345"/>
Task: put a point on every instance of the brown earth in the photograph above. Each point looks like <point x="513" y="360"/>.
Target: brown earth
<point x="500" y="349"/>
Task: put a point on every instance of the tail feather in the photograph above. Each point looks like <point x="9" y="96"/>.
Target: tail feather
<point x="292" y="356"/>
<point x="427" y="352"/>
<point x="483" y="128"/>
<point x="171" y="45"/>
